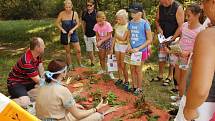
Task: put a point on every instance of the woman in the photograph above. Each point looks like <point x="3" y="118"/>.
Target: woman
<point x="68" y="22"/>
<point x="201" y="92"/>
<point x="58" y="101"/>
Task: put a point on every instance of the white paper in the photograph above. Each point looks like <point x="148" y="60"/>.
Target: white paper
<point x="112" y="63"/>
<point x="162" y="39"/>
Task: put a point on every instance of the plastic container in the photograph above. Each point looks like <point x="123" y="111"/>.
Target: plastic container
<point x="10" y="111"/>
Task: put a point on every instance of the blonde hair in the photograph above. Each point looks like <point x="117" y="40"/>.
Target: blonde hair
<point x="68" y="2"/>
<point x="122" y="13"/>
<point x="100" y="14"/>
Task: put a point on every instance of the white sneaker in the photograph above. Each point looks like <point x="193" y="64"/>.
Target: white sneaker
<point x="177" y="103"/>
<point x="111" y="75"/>
<point x="174" y="98"/>
<point x="100" y="72"/>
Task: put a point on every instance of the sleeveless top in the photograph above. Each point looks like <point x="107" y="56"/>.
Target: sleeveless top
<point x="67" y="25"/>
<point x="167" y="18"/>
<point x="211" y="96"/>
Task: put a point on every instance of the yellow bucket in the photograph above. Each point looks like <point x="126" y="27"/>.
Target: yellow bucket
<point x="10" y="111"/>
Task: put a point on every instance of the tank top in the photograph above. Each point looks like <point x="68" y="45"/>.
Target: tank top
<point x="211" y="96"/>
<point x="167" y="19"/>
<point x="68" y="24"/>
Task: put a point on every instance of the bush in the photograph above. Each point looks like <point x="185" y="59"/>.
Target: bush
<point x="26" y="9"/>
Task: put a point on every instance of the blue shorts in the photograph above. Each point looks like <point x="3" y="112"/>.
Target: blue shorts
<point x="64" y="38"/>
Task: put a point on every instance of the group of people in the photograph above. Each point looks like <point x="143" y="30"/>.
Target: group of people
<point x="192" y="68"/>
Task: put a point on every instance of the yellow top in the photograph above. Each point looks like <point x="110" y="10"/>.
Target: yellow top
<point x="120" y="30"/>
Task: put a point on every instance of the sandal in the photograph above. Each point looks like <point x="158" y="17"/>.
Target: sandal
<point x="166" y="82"/>
<point x="157" y="79"/>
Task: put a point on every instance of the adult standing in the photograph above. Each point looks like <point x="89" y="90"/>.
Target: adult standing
<point x="200" y="103"/>
<point x="68" y="22"/>
<point x="88" y="22"/>
<point x="26" y="73"/>
<point x="169" y="19"/>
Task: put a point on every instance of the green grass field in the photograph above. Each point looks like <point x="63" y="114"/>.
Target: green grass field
<point x="14" y="40"/>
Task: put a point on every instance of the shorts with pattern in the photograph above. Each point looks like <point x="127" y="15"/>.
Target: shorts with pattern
<point x="106" y="45"/>
<point x="90" y="43"/>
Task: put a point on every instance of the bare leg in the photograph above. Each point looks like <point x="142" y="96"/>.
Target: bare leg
<point x="102" y="57"/>
<point x="139" y="76"/>
<point x="123" y="66"/>
<point x="78" y="52"/>
<point x="68" y="54"/>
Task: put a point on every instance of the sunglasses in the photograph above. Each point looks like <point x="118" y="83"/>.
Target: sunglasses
<point x="88" y="5"/>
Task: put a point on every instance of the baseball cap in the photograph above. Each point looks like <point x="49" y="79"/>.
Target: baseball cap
<point x="136" y="7"/>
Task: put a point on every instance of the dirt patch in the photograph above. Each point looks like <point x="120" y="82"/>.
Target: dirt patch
<point x="88" y="94"/>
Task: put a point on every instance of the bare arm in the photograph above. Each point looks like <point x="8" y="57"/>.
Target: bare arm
<point x="79" y="113"/>
<point x="77" y="21"/>
<point x="83" y="23"/>
<point x="180" y="21"/>
<point x="124" y="38"/>
<point x="58" y="22"/>
<point x="109" y="34"/>
<point x="36" y="79"/>
<point x="148" y="40"/>
<point x="41" y="69"/>
<point x="159" y="30"/>
<point x="203" y="69"/>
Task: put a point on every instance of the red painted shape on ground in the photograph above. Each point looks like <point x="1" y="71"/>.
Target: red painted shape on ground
<point x="124" y="112"/>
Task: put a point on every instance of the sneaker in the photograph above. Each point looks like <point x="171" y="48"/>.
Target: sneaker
<point x="126" y="86"/>
<point x="177" y="103"/>
<point x="132" y="89"/>
<point x="118" y="82"/>
<point x="111" y="75"/>
<point x="138" y="91"/>
<point x="100" y="72"/>
<point x="175" y="98"/>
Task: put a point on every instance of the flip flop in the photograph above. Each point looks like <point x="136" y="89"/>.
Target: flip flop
<point x="166" y="82"/>
<point x="157" y="79"/>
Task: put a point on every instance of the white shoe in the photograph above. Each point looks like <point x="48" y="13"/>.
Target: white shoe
<point x="177" y="103"/>
<point x="100" y="72"/>
<point x="111" y="75"/>
<point x="174" y="98"/>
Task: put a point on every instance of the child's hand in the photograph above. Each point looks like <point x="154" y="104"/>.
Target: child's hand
<point x="134" y="50"/>
<point x="99" y="43"/>
<point x="184" y="54"/>
<point x="128" y="49"/>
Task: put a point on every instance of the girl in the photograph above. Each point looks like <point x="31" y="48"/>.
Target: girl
<point x="58" y="101"/>
<point x="68" y="22"/>
<point x="140" y="37"/>
<point x="120" y="44"/>
<point x="188" y="32"/>
<point x="103" y="31"/>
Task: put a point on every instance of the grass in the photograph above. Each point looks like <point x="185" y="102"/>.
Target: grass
<point x="14" y="40"/>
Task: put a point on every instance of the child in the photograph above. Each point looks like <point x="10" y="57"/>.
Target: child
<point x="120" y="44"/>
<point x="103" y="31"/>
<point x="189" y="31"/>
<point x="140" y="37"/>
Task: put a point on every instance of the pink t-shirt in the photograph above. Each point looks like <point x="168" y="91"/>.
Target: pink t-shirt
<point x="103" y="30"/>
<point x="188" y="37"/>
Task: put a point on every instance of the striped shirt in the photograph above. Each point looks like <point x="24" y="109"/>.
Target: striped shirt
<point x="25" y="68"/>
<point x="188" y="37"/>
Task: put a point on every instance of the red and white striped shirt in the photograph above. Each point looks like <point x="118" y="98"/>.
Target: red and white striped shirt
<point x="25" y="68"/>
